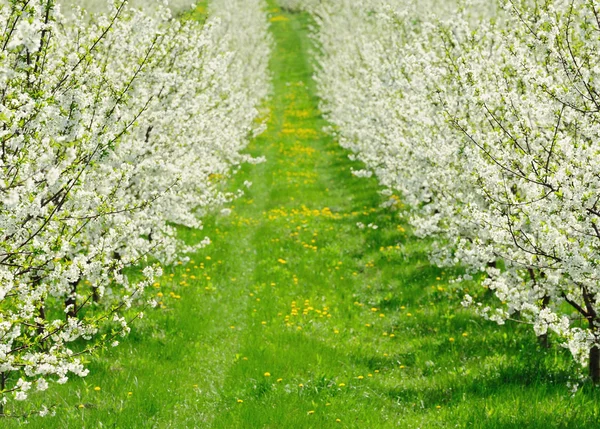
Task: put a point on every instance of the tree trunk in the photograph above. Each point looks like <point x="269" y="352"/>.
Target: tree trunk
<point x="593" y="320"/>
<point x="72" y="301"/>
<point x="488" y="292"/>
<point x="41" y="315"/>
<point x="3" y="378"/>
<point x="595" y="364"/>
<point x="543" y="339"/>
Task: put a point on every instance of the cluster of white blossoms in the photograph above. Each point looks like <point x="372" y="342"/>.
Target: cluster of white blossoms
<point x="96" y="6"/>
<point x="114" y="128"/>
<point x="485" y="117"/>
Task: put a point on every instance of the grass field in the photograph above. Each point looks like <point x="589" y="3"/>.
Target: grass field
<point x="296" y="318"/>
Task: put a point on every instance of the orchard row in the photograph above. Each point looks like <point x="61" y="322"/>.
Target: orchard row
<point x="114" y="127"/>
<point x="485" y="117"/>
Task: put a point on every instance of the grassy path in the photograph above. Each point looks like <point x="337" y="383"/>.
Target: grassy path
<point x="296" y="318"/>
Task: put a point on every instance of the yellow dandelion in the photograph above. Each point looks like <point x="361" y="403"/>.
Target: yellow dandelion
<point x="97" y="388"/>
<point x="267" y="374"/>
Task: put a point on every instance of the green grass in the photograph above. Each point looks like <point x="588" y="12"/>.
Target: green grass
<point x="291" y="287"/>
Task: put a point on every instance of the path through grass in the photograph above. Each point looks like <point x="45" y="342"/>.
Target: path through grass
<point x="296" y="318"/>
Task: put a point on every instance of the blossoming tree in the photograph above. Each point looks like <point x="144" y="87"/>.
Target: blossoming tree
<point x="484" y="116"/>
